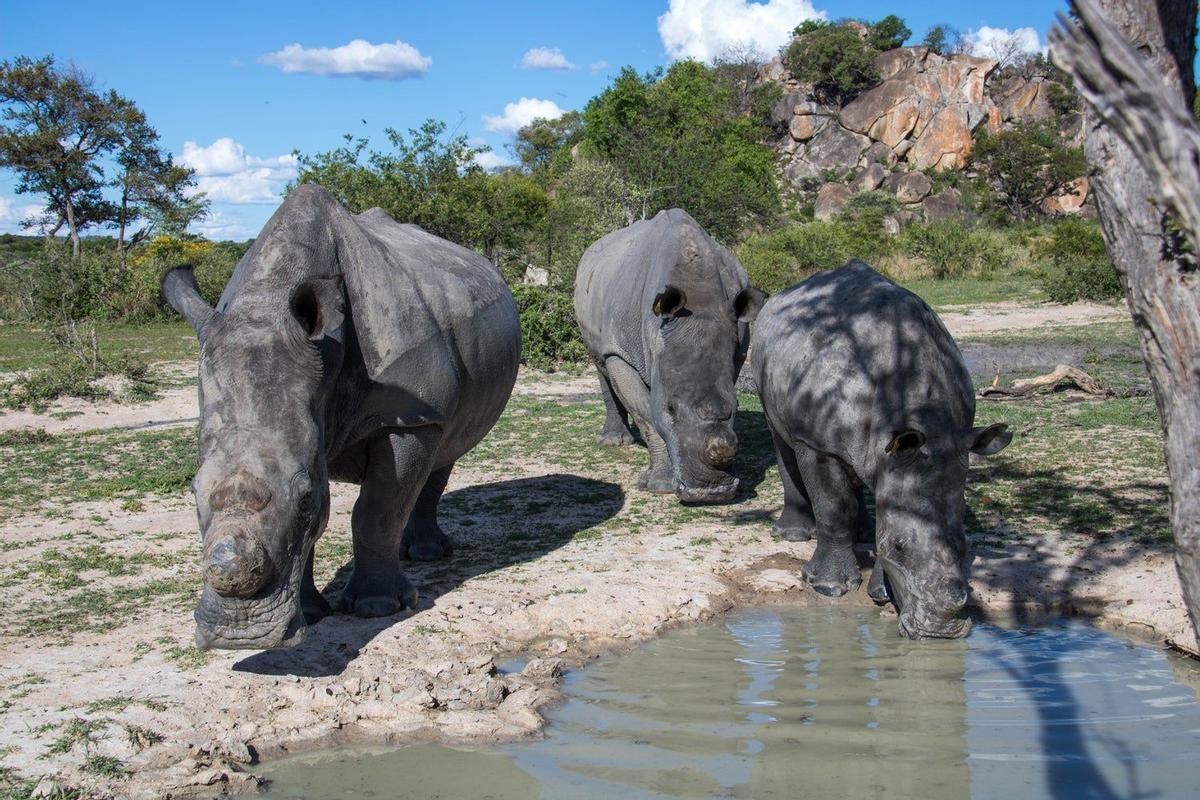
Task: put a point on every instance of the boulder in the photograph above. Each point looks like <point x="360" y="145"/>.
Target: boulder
<point x="869" y="179"/>
<point x="880" y="153"/>
<point x="898" y="59"/>
<point x="835" y="148"/>
<point x="890" y="225"/>
<point x="772" y="71"/>
<point x="1069" y="202"/>
<point x="946" y="204"/>
<point x="861" y="114"/>
<point x="535" y="276"/>
<point x="1027" y="101"/>
<point x="945" y="143"/>
<point x="831" y="198"/>
<point x="782" y="111"/>
<point x="799" y="172"/>
<point x="912" y="187"/>
<point x="801" y="128"/>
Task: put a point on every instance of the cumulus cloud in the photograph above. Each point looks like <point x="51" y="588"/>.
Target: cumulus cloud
<point x="219" y="226"/>
<point x="228" y="175"/>
<point x="599" y="66"/>
<point x="708" y="29"/>
<point x="361" y="59"/>
<point x="491" y="160"/>
<point x="1007" y="47"/>
<point x="14" y="212"/>
<point x="519" y="114"/>
<point x="545" y="58"/>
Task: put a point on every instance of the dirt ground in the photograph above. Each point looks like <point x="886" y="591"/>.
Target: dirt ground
<point x="559" y="558"/>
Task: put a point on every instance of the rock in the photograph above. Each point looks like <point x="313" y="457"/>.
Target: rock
<point x="946" y="204"/>
<point x="912" y="187"/>
<point x="785" y="108"/>
<point x="1070" y="201"/>
<point x="536" y="276"/>
<point x="890" y="225"/>
<point x="945" y="143"/>
<point x="830" y="199"/>
<point x="772" y="71"/>
<point x="861" y="114"/>
<point x="1027" y="102"/>
<point x="835" y="148"/>
<point x="869" y="179"/>
<point x="892" y="61"/>
<point x="880" y="153"/>
<point x="800" y="171"/>
<point x="801" y="128"/>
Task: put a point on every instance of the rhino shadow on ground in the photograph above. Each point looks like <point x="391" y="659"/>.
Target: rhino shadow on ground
<point x="493" y="526"/>
<point x="1065" y="506"/>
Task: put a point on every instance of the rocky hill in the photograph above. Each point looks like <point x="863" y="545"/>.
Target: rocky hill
<point x="921" y="119"/>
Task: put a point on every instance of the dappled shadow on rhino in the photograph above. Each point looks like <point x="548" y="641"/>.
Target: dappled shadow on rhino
<point x="493" y="525"/>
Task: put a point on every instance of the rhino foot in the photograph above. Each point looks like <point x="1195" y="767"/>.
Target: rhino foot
<point x="425" y="543"/>
<point x="614" y="438"/>
<point x="793" y="533"/>
<point x="314" y="606"/>
<point x="833" y="570"/>
<point x="658" y="482"/>
<point x="378" y="597"/>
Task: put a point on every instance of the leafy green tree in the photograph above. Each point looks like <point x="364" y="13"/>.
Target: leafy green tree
<point x="810" y="25"/>
<point x="888" y="33"/>
<point x="942" y="39"/>
<point x="1027" y="164"/>
<point x="835" y="60"/>
<point x="56" y="131"/>
<point x="543" y="146"/>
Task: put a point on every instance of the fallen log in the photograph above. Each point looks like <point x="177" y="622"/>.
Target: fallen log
<point x="1062" y="378"/>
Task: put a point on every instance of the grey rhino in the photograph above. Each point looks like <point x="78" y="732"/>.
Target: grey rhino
<point x="664" y="312"/>
<point x="347" y="347"/>
<point x="862" y="385"/>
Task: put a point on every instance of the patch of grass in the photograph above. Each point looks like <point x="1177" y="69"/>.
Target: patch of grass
<point x="105" y="766"/>
<point x="76" y="731"/>
<point x="140" y="738"/>
<point x="25" y="346"/>
<point x="185" y="657"/>
<point x="15" y="787"/>
<point x="972" y="291"/>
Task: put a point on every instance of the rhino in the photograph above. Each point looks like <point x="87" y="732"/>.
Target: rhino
<point x="863" y="387"/>
<point x="664" y="311"/>
<point x="344" y="347"/>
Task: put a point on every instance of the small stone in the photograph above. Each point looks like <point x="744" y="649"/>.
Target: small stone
<point x="831" y="198"/>
<point x="488" y="611"/>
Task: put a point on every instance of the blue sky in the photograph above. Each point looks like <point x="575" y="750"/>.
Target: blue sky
<point x="204" y="73"/>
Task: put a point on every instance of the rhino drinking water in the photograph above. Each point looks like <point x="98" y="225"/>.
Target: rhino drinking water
<point x="664" y="312"/>
<point x="347" y="347"/>
<point x="862" y="385"/>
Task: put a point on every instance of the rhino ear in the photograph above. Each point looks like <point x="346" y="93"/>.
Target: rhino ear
<point x="905" y="442"/>
<point x="748" y="303"/>
<point x="990" y="440"/>
<point x="669" y="302"/>
<point x="182" y="294"/>
<point x="319" y="304"/>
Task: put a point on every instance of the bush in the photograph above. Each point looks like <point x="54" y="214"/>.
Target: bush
<point x="951" y="249"/>
<point x="835" y="60"/>
<point x="777" y="259"/>
<point x="1076" y="265"/>
<point x="1027" y="164"/>
<point x="549" y="333"/>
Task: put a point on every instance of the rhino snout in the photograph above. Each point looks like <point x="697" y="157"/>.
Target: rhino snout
<point x="236" y="564"/>
<point x="720" y="450"/>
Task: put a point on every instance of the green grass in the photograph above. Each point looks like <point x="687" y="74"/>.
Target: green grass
<point x="26" y="346"/>
<point x="942" y="292"/>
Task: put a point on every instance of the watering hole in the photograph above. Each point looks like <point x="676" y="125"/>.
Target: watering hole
<point x="824" y="702"/>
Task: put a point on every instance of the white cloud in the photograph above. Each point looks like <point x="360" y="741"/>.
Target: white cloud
<point x="708" y="29"/>
<point x="491" y="160"/>
<point x="545" y="58"/>
<point x="519" y="114"/>
<point x="599" y="66"/>
<point x="361" y="59"/>
<point x="13" y="212"/>
<point x="1002" y="44"/>
<point x="220" y="226"/>
<point x="227" y="175"/>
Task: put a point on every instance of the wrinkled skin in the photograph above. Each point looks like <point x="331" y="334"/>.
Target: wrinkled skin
<point x="862" y="386"/>
<point x="664" y="311"/>
<point x="344" y="347"/>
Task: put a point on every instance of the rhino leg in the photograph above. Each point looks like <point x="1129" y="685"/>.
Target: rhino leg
<point x="397" y="467"/>
<point x="423" y="538"/>
<point x="659" y="477"/>
<point x="312" y="603"/>
<point x="615" y="432"/>
<point x="877" y="588"/>
<point x="796" y="523"/>
<point x="833" y="569"/>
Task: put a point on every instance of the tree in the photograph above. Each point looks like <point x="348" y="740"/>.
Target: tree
<point x="543" y="146"/>
<point x="942" y="39"/>
<point x="1027" y="164"/>
<point x="57" y="130"/>
<point x="889" y="33"/>
<point x="1144" y="151"/>
<point x="836" y="60"/>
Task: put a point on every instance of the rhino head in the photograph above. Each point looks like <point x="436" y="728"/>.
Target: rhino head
<point x="262" y="488"/>
<point x="700" y="346"/>
<point x="919" y="535"/>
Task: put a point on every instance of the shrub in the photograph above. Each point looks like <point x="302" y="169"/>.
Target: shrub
<point x="835" y="60"/>
<point x="889" y="33"/>
<point x="1027" y="164"/>
<point x="549" y="333"/>
<point x="1076" y="265"/>
<point x="777" y="259"/>
<point x="951" y="249"/>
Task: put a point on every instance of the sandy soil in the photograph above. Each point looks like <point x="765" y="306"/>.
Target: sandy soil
<point x="1009" y="316"/>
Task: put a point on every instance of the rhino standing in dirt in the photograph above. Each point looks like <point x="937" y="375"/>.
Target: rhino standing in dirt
<point x="348" y="347"/>
<point x="664" y="312"/>
<point x="862" y="385"/>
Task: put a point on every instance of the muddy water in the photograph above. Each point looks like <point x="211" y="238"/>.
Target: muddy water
<point x="825" y="703"/>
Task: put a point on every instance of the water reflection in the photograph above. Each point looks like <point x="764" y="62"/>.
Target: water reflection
<point x="825" y="702"/>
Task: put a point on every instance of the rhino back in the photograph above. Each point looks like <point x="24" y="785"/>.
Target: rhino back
<point x="848" y="357"/>
<point x="620" y="275"/>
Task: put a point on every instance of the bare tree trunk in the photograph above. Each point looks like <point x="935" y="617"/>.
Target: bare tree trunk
<point x="124" y="216"/>
<point x="72" y="229"/>
<point x="1134" y="66"/>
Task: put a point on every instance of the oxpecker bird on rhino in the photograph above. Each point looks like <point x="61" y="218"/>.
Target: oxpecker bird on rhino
<point x="664" y="311"/>
<point x="345" y="347"/>
<point x="863" y="387"/>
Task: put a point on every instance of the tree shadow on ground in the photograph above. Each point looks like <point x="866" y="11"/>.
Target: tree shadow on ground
<point x="1070" y="744"/>
<point x="493" y="526"/>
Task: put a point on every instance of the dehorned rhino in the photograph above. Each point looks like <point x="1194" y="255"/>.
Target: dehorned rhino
<point x="862" y="385"/>
<point x="664" y="312"/>
<point x="347" y="347"/>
